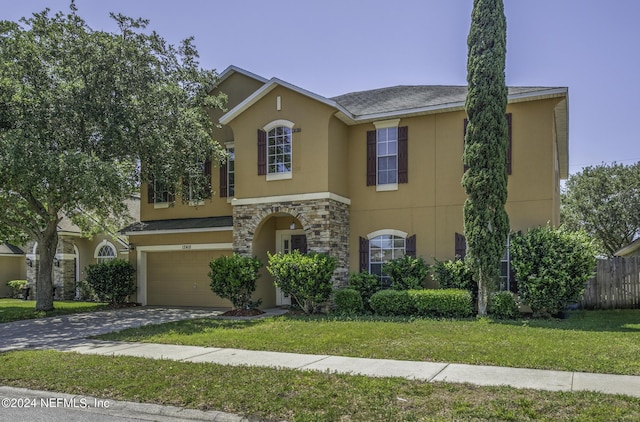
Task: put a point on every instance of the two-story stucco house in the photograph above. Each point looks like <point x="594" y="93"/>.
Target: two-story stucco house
<point x="366" y="176"/>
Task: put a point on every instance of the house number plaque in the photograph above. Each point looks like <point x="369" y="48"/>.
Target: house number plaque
<point x="186" y="247"/>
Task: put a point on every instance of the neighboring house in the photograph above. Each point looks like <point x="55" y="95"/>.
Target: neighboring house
<point x="366" y="176"/>
<point x="76" y="252"/>
<point x="632" y="249"/>
<point x="11" y="266"/>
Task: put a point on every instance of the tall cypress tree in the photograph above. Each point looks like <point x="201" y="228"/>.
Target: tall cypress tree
<point x="486" y="223"/>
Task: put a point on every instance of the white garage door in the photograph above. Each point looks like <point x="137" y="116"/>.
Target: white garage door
<point x="180" y="278"/>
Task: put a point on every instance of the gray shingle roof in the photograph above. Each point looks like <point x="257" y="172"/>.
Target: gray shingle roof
<point x="179" y="224"/>
<point x="407" y="97"/>
<point x="9" y="249"/>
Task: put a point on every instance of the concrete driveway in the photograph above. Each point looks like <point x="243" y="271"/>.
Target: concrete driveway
<point x="53" y="331"/>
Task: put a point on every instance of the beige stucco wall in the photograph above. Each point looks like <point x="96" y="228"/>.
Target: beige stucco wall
<point x="431" y="204"/>
<point x="11" y="268"/>
<point x="310" y="147"/>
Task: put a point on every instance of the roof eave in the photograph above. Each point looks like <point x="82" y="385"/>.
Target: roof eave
<point x="350" y="119"/>
<point x="629" y="249"/>
<point x="270" y="86"/>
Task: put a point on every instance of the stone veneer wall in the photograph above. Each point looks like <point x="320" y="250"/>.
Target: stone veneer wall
<point x="63" y="275"/>
<point x="325" y="222"/>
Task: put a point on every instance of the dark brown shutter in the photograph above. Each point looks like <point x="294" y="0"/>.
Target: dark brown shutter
<point x="223" y="181"/>
<point x="371" y="157"/>
<point x="151" y="191"/>
<point x="461" y="246"/>
<point x="410" y="246"/>
<point x="509" y="144"/>
<point x="464" y="143"/>
<point x="403" y="154"/>
<point x="364" y="254"/>
<point x="262" y="152"/>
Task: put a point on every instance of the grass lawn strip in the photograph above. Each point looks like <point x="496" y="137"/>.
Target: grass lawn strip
<point x="17" y="309"/>
<point x="587" y="341"/>
<point x="282" y="394"/>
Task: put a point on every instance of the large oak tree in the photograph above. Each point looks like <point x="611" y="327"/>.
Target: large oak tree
<point x="486" y="223"/>
<point x="604" y="201"/>
<point x="80" y="109"/>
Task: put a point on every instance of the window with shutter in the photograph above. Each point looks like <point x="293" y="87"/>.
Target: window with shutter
<point x="387" y="156"/>
<point x="364" y="254"/>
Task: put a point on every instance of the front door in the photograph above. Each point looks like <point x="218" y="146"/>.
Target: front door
<point x="287" y="241"/>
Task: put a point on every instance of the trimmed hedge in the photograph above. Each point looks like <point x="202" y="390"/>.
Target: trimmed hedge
<point x="348" y="302"/>
<point x="112" y="281"/>
<point x="392" y="303"/>
<point x="367" y="284"/>
<point x="453" y="303"/>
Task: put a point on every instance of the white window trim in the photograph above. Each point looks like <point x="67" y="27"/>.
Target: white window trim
<point x="276" y="123"/>
<point x="279" y="176"/>
<point x="99" y="247"/>
<point x="384" y="124"/>
<point x="386" y="187"/>
<point x="391" y="232"/>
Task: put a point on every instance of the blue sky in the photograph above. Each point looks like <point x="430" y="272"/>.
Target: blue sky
<point x="332" y="47"/>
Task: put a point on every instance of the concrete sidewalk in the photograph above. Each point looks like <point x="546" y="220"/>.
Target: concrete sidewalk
<point x="424" y="371"/>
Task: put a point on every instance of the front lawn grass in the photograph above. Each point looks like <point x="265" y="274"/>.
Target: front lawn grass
<point x="285" y="394"/>
<point x="16" y="309"/>
<point x="586" y="341"/>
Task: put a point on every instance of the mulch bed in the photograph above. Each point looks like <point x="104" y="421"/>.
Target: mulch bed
<point x="243" y="312"/>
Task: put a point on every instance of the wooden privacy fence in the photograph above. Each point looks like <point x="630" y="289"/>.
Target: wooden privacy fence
<point x="615" y="286"/>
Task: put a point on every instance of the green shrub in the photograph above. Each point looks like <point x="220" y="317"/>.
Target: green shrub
<point x="392" y="303"/>
<point x="234" y="278"/>
<point x="112" y="281"/>
<point x="406" y="272"/>
<point x="16" y="287"/>
<point x="367" y="284"/>
<point x="304" y="277"/>
<point x="552" y="267"/>
<point x="454" y="274"/>
<point x="348" y="302"/>
<point x="85" y="292"/>
<point x="503" y="305"/>
<point x="451" y="303"/>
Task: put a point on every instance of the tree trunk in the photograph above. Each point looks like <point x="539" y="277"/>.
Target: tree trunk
<point x="47" y="245"/>
<point x="483" y="294"/>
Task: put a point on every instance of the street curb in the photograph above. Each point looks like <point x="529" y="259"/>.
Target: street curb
<point x="142" y="411"/>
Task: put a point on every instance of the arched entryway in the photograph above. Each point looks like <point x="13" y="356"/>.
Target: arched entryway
<point x="319" y="222"/>
<point x="278" y="232"/>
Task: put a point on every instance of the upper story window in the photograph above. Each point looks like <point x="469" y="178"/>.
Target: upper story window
<point x="275" y="153"/>
<point x="279" y="150"/>
<point x="387" y="155"/>
<point x="198" y="184"/>
<point x="159" y="193"/>
<point x="105" y="251"/>
<point x="231" y="171"/>
<point x="228" y="173"/>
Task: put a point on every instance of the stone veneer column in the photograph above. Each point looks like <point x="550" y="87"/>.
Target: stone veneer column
<point x="64" y="275"/>
<point x="325" y="222"/>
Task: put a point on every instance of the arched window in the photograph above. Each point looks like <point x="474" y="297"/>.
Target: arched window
<point x="384" y="248"/>
<point x="105" y="251"/>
